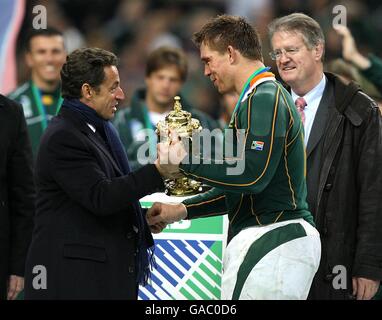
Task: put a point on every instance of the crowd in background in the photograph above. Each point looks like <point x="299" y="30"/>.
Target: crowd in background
<point x="133" y="28"/>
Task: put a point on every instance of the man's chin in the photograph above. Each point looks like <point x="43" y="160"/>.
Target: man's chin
<point x="51" y="80"/>
<point x="287" y="79"/>
<point x="107" y="117"/>
<point x="288" y="75"/>
<point x="221" y="90"/>
<point x="165" y="103"/>
<point x="165" y="100"/>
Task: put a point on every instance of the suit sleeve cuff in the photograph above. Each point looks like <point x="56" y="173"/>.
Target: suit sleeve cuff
<point x="154" y="180"/>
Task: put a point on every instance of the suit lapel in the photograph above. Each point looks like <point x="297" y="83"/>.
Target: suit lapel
<point x="93" y="137"/>
<point x="320" y="120"/>
<point x="84" y="128"/>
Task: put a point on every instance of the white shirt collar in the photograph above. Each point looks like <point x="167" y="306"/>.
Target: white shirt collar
<point x="91" y="127"/>
<point x="313" y="99"/>
<point x="313" y="94"/>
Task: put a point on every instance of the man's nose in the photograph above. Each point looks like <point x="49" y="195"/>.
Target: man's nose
<point x="49" y="57"/>
<point x="284" y="57"/>
<point x="120" y="94"/>
<point x="166" y="83"/>
<point x="207" y="71"/>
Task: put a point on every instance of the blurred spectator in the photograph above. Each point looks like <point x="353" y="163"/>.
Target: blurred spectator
<point x="166" y="71"/>
<point x="228" y="103"/>
<point x="122" y="27"/>
<point x="349" y="72"/>
<point x="370" y="67"/>
<point x="260" y="12"/>
<point x="41" y="96"/>
<point x="73" y="38"/>
<point x="151" y="32"/>
<point x="355" y="12"/>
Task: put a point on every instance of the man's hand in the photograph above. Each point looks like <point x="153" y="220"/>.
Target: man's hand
<point x="170" y="155"/>
<point x="364" y="289"/>
<point x="15" y="286"/>
<point x="158" y="227"/>
<point x="349" y="49"/>
<point x="161" y="214"/>
<point x="167" y="171"/>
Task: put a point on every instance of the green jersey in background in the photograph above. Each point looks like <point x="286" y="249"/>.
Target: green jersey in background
<point x="39" y="107"/>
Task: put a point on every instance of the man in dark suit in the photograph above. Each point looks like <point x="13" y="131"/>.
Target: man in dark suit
<point x="16" y="197"/>
<point x="91" y="239"/>
<point x="343" y="144"/>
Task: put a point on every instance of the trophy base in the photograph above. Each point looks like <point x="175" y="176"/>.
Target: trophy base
<point x="182" y="187"/>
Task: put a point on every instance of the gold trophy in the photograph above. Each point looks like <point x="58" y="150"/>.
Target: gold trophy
<point x="185" y="126"/>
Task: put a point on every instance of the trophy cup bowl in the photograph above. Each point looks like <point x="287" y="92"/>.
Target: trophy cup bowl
<point x="182" y="122"/>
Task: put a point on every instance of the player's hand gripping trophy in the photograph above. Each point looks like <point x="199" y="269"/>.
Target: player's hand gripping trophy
<point x="180" y="121"/>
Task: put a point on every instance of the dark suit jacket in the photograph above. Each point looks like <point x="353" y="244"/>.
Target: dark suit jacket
<point x="16" y="191"/>
<point x="83" y="234"/>
<point x="344" y="183"/>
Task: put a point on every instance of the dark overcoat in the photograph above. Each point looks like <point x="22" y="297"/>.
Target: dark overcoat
<point x="84" y="242"/>
<point x="344" y="181"/>
<point x="16" y="192"/>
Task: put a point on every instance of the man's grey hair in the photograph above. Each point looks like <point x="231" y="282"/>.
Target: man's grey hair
<point x="299" y="22"/>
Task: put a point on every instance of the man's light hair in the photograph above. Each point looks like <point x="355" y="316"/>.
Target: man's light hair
<point x="301" y="23"/>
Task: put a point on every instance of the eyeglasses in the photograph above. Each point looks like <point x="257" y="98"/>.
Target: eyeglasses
<point x="276" y="54"/>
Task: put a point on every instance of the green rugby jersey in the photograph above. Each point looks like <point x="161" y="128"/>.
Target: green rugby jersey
<point x="39" y="107"/>
<point x="271" y="188"/>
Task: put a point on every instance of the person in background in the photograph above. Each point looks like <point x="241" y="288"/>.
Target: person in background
<point x="17" y="196"/>
<point x="343" y="145"/>
<point x="41" y="95"/>
<point x="228" y="103"/>
<point x="348" y="72"/>
<point x="370" y="66"/>
<point x="166" y="72"/>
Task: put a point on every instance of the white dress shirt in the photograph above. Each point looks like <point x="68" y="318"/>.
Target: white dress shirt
<point x="313" y="99"/>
